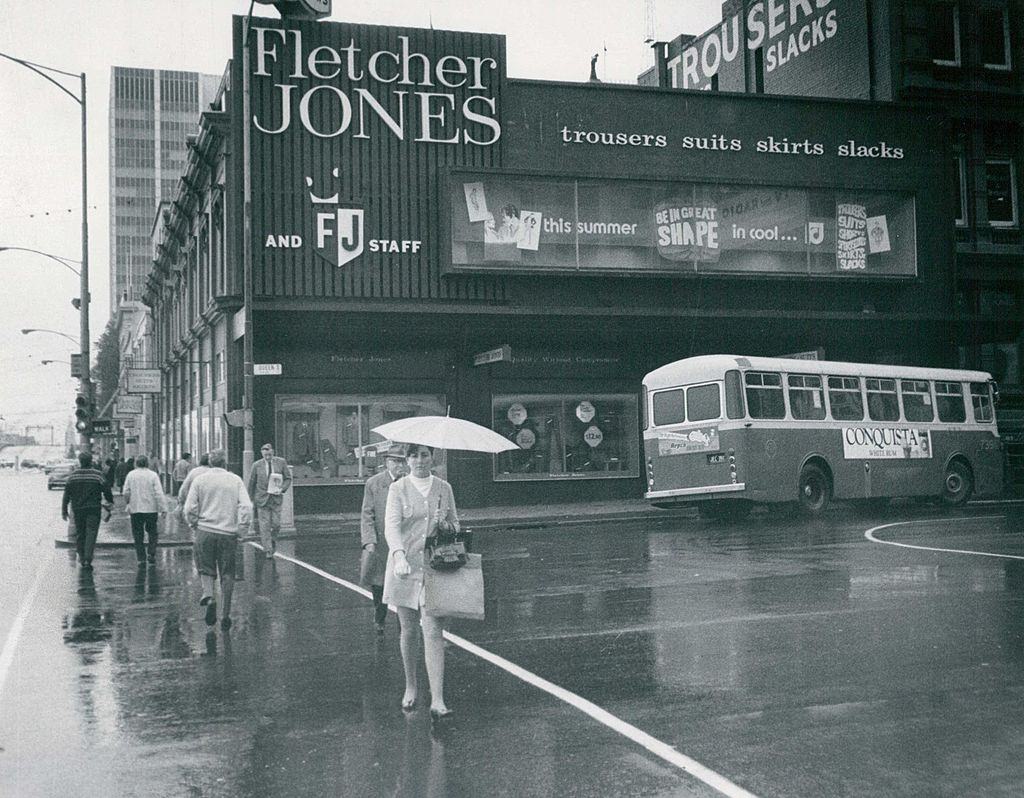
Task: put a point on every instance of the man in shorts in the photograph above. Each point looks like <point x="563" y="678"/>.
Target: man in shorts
<point x="218" y="510"/>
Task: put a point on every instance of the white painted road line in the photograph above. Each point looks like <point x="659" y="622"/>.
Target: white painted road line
<point x="661" y="750"/>
<point x="870" y="535"/>
<point x="14" y="635"/>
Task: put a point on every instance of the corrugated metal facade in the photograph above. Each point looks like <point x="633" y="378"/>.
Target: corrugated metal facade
<point x="397" y="182"/>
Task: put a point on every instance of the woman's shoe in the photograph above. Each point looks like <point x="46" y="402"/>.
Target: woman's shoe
<point x="440" y="715"/>
<point x="408" y="705"/>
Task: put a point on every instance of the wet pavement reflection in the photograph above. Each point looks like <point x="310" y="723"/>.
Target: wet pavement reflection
<point x="795" y="658"/>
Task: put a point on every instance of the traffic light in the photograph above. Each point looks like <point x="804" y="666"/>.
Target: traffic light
<point x="84" y="412"/>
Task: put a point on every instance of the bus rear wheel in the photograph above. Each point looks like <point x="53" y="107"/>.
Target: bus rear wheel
<point x="958" y="485"/>
<point x="815" y="490"/>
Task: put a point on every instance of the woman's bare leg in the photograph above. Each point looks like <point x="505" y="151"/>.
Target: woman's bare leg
<point x="408" y="642"/>
<point x="433" y="649"/>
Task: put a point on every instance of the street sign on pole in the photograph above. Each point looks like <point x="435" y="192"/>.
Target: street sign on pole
<point x="76" y="365"/>
<point x="266" y="369"/>
<point x="502" y="353"/>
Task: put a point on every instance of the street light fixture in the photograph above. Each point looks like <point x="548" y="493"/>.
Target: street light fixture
<point x="65" y="262"/>
<point x="72" y="338"/>
<point x="48" y="362"/>
<point x="41" y="70"/>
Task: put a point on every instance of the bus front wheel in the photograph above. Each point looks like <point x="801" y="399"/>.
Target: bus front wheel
<point x="958" y="485"/>
<point x="815" y="490"/>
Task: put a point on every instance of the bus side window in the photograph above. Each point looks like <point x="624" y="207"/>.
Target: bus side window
<point x="764" y="394"/>
<point x="669" y="407"/>
<point x="844" y="398"/>
<point x="917" y="400"/>
<point x="981" y="400"/>
<point x="805" y="397"/>
<point x="949" y="399"/>
<point x="882" y="402"/>
<point x="733" y="395"/>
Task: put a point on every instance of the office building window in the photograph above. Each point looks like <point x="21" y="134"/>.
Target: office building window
<point x="1001" y="192"/>
<point x="994" y="43"/>
<point x="960" y="190"/>
<point x="945" y="34"/>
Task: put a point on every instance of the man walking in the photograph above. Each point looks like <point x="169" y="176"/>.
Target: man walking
<point x="218" y="511"/>
<point x="85" y="492"/>
<point x="371" y="529"/>
<point x="181" y="469"/>
<point x="202" y="468"/>
<point x="145" y="502"/>
<point x="269" y="479"/>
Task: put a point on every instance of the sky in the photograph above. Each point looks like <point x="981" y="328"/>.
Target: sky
<point x="40" y="132"/>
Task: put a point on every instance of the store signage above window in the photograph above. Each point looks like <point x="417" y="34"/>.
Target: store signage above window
<point x="338" y="85"/>
<point x="719" y="142"/>
<point x="538" y="224"/>
<point x="144" y="381"/>
<point x="782" y="30"/>
<point x="127" y="406"/>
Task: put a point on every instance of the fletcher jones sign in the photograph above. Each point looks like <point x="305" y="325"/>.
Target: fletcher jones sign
<point x="541" y="224"/>
<point x="341" y="115"/>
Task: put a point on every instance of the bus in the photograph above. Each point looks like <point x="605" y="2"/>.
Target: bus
<point x="725" y="432"/>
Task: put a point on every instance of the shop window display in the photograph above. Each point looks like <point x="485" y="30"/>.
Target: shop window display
<point x="329" y="439"/>
<point x="566" y="436"/>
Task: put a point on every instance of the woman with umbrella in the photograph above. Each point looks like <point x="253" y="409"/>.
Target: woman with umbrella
<point x="416" y="502"/>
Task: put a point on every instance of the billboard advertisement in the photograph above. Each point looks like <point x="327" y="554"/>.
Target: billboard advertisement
<point x="546" y="224"/>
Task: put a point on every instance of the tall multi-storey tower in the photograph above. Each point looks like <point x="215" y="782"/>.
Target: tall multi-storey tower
<point x="151" y="113"/>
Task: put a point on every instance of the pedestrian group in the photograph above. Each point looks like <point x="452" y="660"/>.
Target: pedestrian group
<point x="401" y="507"/>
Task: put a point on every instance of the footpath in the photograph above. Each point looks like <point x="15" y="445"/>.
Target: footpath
<point x="117" y="531"/>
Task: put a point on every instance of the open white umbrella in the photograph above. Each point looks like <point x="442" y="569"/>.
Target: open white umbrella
<point x="445" y="432"/>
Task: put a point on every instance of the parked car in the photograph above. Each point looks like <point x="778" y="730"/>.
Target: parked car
<point x="52" y="464"/>
<point x="59" y="477"/>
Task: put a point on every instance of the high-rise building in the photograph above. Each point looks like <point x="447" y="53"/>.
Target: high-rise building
<point x="151" y="113"/>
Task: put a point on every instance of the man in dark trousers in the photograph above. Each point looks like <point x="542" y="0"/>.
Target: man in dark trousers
<point x="85" y="492"/>
<point x="371" y="528"/>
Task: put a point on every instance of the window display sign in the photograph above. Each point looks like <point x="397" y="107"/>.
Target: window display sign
<point x="562" y="436"/>
<point x="671" y="228"/>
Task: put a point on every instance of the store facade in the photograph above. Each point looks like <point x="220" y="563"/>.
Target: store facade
<point x="429" y="236"/>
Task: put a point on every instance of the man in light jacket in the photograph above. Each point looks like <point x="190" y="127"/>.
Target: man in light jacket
<point x="145" y="501"/>
<point x="269" y="480"/>
<point x="218" y="511"/>
<point x="371" y="529"/>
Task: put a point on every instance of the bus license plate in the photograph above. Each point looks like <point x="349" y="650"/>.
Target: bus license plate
<point x="716" y="458"/>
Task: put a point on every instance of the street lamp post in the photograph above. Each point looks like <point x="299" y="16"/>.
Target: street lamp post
<point x="71" y="338"/>
<point x="86" y="383"/>
<point x="65" y="262"/>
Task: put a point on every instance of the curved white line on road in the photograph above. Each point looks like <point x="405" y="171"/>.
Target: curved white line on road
<point x="13" y="636"/>
<point x="661" y="750"/>
<point x="870" y="535"/>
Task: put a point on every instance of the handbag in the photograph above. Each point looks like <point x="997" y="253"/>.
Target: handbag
<point x="455" y="594"/>
<point x="447" y="548"/>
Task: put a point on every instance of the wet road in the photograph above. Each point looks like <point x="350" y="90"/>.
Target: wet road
<point x="791" y="658"/>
